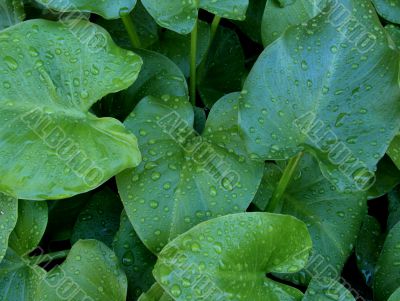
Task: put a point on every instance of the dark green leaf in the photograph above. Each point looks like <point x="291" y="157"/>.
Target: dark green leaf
<point x="8" y="220"/>
<point x="387" y="177"/>
<point x="327" y="289"/>
<point x="251" y="26"/>
<point x="394" y="208"/>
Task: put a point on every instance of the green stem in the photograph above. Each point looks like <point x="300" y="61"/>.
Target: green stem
<point x="214" y="27"/>
<point x="49" y="257"/>
<point x="131" y="30"/>
<point x="193" y="63"/>
<point x="283" y="183"/>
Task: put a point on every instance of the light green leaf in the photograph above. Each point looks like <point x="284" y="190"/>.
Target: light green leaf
<point x="333" y="218"/>
<point x="394" y="32"/>
<point x="269" y="182"/>
<point x="387" y="177"/>
<point x="387" y="272"/>
<point x="108" y="9"/>
<point x="223" y="70"/>
<point x="11" y="12"/>
<point x="227" y="258"/>
<point x="92" y="269"/>
<point x="30" y="227"/>
<point x="368" y="247"/>
<point x="181" y="16"/>
<point x="159" y="77"/>
<point x="326" y="289"/>
<point x="177" y="47"/>
<point x="99" y="219"/>
<point x="395" y="296"/>
<point x="185" y="178"/>
<point x="303" y="94"/>
<point x="278" y="16"/>
<point x="388" y="9"/>
<point x="394" y="151"/>
<point x="8" y="220"/>
<point x="155" y="293"/>
<point x="49" y="82"/>
<point x="137" y="261"/>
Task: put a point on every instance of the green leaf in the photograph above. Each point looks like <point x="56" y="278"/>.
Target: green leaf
<point x="388" y="9"/>
<point x="394" y="32"/>
<point x="278" y="17"/>
<point x="18" y="279"/>
<point x="49" y="82"/>
<point x="387" y="272"/>
<point x="8" y="220"/>
<point x="269" y="182"/>
<point x="321" y="97"/>
<point x="108" y="9"/>
<point x="395" y="296"/>
<point x="326" y="289"/>
<point x="30" y="227"/>
<point x="159" y="77"/>
<point x="394" y="208"/>
<point x="387" y="177"/>
<point x="185" y="178"/>
<point x="99" y="219"/>
<point x="181" y="16"/>
<point x="137" y="261"/>
<point x="177" y="47"/>
<point x="394" y="151"/>
<point x="11" y="13"/>
<point x="91" y="270"/>
<point x="368" y="247"/>
<point x="251" y="26"/>
<point x="228" y="257"/>
<point x="155" y="293"/>
<point x="223" y="68"/>
<point x="333" y="218"/>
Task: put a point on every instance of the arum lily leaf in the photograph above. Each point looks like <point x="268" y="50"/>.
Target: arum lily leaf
<point x="269" y="182"/>
<point x="99" y="219"/>
<point x="368" y="247"/>
<point x="394" y="208"/>
<point x="223" y="68"/>
<point x="11" y="13"/>
<point x="211" y="255"/>
<point x="185" y="178"/>
<point x="177" y="47"/>
<point x="8" y="220"/>
<point x="333" y="218"/>
<point x="387" y="177"/>
<point x="92" y="269"/>
<point x="320" y="97"/>
<point x="395" y="296"/>
<point x="30" y="227"/>
<point x="327" y="289"/>
<point x="137" y="261"/>
<point x="251" y="26"/>
<point x="394" y="151"/>
<point x="155" y="293"/>
<point x="278" y="16"/>
<point x="108" y="9"/>
<point x="49" y="84"/>
<point x="387" y="272"/>
<point x="394" y="32"/>
<point x="181" y="16"/>
<point x="159" y="77"/>
<point x="388" y="9"/>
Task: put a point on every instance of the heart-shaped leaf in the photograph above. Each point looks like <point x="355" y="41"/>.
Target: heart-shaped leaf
<point x="49" y="82"/>
<point x="227" y="258"/>
<point x="278" y="18"/>
<point x="321" y="97"/>
<point x="177" y="47"/>
<point x="180" y="16"/>
<point x="333" y="218"/>
<point x="327" y="289"/>
<point x="387" y="177"/>
<point x="388" y="9"/>
<point x="108" y="9"/>
<point x="185" y="178"/>
<point x="8" y="220"/>
<point x="394" y="151"/>
<point x="394" y="208"/>
<point x="155" y="293"/>
<point x="99" y="219"/>
<point x="395" y="296"/>
<point x="387" y="272"/>
<point x="251" y="26"/>
<point x="11" y="12"/>
<point x="91" y="270"/>
<point x="137" y="261"/>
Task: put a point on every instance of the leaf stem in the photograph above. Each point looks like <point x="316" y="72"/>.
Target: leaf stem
<point x="193" y="63"/>
<point x="214" y="27"/>
<point x="283" y="183"/>
<point x="131" y="30"/>
<point x="48" y="257"/>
